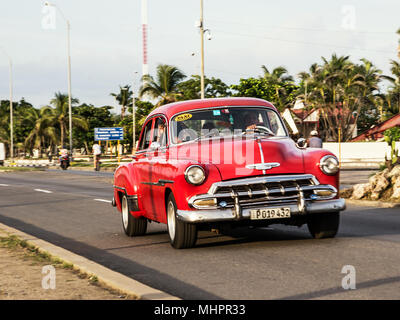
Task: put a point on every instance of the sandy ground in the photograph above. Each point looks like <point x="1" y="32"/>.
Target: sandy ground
<point x="21" y="279"/>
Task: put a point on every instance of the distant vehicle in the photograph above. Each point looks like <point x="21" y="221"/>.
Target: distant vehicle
<point x="2" y="154"/>
<point x="64" y="159"/>
<point x="218" y="163"/>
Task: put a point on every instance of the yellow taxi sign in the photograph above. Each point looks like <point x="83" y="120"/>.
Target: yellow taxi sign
<point x="183" y="117"/>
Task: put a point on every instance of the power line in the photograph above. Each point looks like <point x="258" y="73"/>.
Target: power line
<point x="300" y="42"/>
<point x="303" y="28"/>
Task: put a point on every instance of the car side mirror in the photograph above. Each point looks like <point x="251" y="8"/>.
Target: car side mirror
<point x="301" y="143"/>
<point x="155" y="145"/>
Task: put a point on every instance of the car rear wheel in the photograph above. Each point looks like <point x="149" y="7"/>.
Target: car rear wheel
<point x="181" y="234"/>
<point x="132" y="226"/>
<point x="323" y="225"/>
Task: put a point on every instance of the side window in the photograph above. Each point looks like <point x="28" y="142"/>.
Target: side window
<point x="146" y="136"/>
<point x="276" y="123"/>
<point x="160" y="132"/>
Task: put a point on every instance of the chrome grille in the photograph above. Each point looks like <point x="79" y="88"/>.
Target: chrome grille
<point x="272" y="190"/>
<point x="265" y="190"/>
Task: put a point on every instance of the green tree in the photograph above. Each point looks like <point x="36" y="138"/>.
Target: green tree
<point x="96" y="117"/>
<point x="164" y="87"/>
<point x="43" y="132"/>
<point x="143" y="108"/>
<point x="341" y="90"/>
<point x="191" y="89"/>
<point x="392" y="105"/>
<point x="283" y="85"/>
<point x="264" y="89"/>
<point x="21" y="127"/>
<point x="123" y="97"/>
<point x="61" y="115"/>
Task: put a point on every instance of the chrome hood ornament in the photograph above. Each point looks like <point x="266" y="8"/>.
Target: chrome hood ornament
<point x="263" y="166"/>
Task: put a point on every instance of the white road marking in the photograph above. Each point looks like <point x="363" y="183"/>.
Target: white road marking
<point x="45" y="191"/>
<point x="102" y="200"/>
<point x="4" y="185"/>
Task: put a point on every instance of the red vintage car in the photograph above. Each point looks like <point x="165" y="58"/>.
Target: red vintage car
<point x="220" y="163"/>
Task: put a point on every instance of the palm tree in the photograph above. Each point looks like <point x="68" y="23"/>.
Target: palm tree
<point x="398" y="48"/>
<point x="123" y="98"/>
<point x="61" y="115"/>
<point x="340" y="90"/>
<point x="165" y="86"/>
<point x="280" y="80"/>
<point x="278" y="75"/>
<point x="393" y="94"/>
<point x="43" y="130"/>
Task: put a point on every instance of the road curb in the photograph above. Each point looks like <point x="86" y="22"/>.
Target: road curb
<point x="370" y="203"/>
<point x="105" y="276"/>
<point x="91" y="169"/>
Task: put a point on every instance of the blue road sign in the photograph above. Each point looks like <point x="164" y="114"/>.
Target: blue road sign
<point x="108" y="134"/>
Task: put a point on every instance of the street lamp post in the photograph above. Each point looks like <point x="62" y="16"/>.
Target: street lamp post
<point x="202" y="49"/>
<point x="11" y="106"/>
<point x="133" y="116"/>
<point x="69" y="74"/>
<point x="202" y="32"/>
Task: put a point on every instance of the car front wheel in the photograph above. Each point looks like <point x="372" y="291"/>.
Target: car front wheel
<point x="323" y="225"/>
<point x="181" y="234"/>
<point x="132" y="226"/>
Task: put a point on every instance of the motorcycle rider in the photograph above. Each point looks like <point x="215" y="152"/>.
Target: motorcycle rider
<point x="64" y="156"/>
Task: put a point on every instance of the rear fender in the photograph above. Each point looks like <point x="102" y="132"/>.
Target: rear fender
<point x="125" y="183"/>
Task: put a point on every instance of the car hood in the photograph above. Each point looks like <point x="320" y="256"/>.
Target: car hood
<point x="237" y="157"/>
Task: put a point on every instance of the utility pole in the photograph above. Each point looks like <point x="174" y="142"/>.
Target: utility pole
<point x="11" y="105"/>
<point x="133" y="116"/>
<point x="145" y="66"/>
<point x="11" y="114"/>
<point x="69" y="73"/>
<point x="69" y="88"/>
<point x="202" y="49"/>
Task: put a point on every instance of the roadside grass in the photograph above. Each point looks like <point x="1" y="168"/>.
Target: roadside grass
<point x="37" y="257"/>
<point x="14" y="243"/>
<point x="9" y="169"/>
<point x="90" y="164"/>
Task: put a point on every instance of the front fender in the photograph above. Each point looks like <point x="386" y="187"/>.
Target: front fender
<point x="312" y="158"/>
<point x="183" y="190"/>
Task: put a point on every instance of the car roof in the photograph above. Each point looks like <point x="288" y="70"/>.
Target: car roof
<point x="171" y="109"/>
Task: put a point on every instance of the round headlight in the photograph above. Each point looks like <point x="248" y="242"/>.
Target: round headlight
<point x="195" y="175"/>
<point x="329" y="165"/>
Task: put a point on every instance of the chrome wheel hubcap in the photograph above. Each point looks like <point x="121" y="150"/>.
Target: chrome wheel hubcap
<point x="125" y="213"/>
<point x="171" y="220"/>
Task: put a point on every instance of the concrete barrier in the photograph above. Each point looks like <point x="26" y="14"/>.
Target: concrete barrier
<point x="360" y="151"/>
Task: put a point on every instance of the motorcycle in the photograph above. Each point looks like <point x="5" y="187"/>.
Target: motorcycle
<point x="64" y="161"/>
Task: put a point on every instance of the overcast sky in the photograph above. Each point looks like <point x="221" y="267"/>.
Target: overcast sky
<point x="106" y="42"/>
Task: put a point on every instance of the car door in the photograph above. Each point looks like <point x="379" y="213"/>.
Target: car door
<point x="159" y="172"/>
<point x="142" y="167"/>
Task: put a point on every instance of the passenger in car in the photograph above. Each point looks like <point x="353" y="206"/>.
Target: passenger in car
<point x="161" y="134"/>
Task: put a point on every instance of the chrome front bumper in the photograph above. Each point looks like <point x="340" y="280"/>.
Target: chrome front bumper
<point x="221" y="215"/>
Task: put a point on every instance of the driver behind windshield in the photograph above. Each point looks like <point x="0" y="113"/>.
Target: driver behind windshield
<point x="251" y="120"/>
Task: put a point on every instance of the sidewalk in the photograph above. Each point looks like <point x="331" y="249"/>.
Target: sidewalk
<point x="76" y="276"/>
<point x="22" y="278"/>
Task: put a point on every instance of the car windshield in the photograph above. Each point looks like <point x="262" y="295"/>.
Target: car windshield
<point x="225" y="121"/>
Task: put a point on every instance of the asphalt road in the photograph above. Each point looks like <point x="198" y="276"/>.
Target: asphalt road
<point x="70" y="209"/>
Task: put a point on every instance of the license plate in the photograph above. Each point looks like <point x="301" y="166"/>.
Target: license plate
<point x="270" y="213"/>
